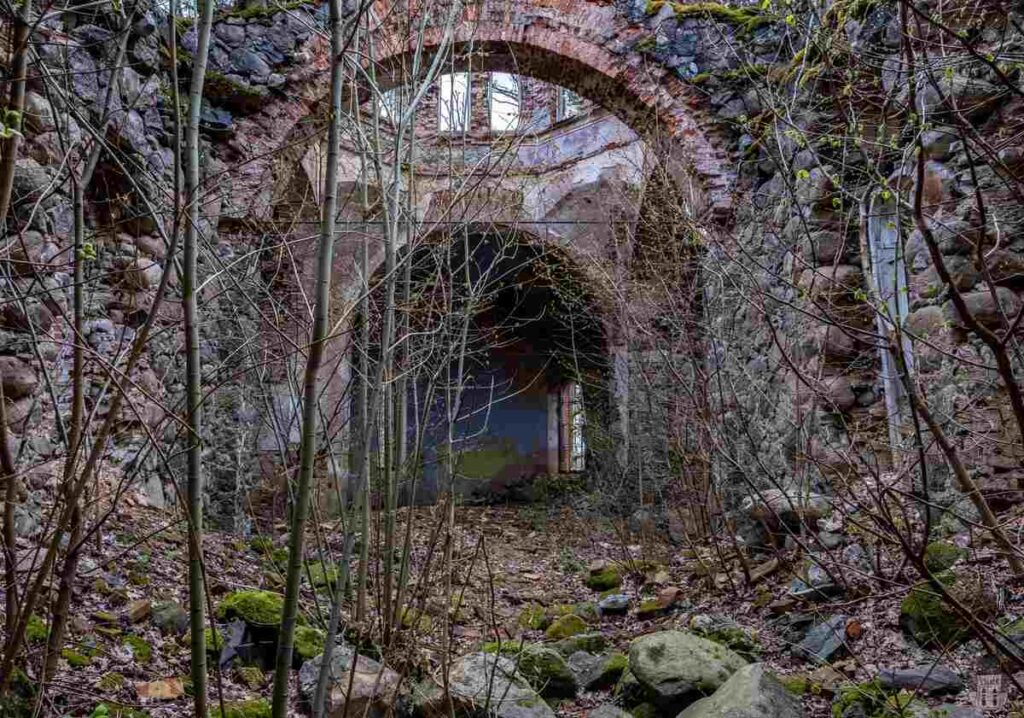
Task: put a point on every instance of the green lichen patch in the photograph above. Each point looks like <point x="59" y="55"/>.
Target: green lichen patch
<point x="587" y="610"/>
<point x="416" y="619"/>
<point x="37" y="630"/>
<point x="586" y="642"/>
<point x="141" y="649"/>
<point x="256" y="708"/>
<point x="612" y="670"/>
<point x="872" y="700"/>
<point x="251" y="677"/>
<point x="603" y="578"/>
<point x="649" y="608"/>
<point x="110" y="682"/>
<point x="74" y="658"/>
<point x="258" y="12"/>
<point x="940" y="556"/>
<point x="309" y="642"/>
<point x="322" y="575"/>
<point x="257" y="608"/>
<point x="235" y="96"/>
<point x="931" y="622"/>
<point x="746" y="19"/>
<point x="534" y="617"/>
<point x="546" y="671"/>
<point x="566" y="626"/>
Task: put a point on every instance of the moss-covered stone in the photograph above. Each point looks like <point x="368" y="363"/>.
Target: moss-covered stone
<point x="603" y="578"/>
<point x="546" y="670"/>
<point x="586" y="642"/>
<point x="256" y="708"/>
<point x="323" y="575"/>
<point x="110" y="682"/>
<point x="74" y="658"/>
<point x="587" y="610"/>
<point x="931" y="622"/>
<point x="251" y="677"/>
<point x="940" y="556"/>
<point x="141" y="649"/>
<point x="565" y="626"/>
<point x="533" y="617"/>
<point x="262" y="545"/>
<point x="649" y="608"/>
<point x="257" y="608"/>
<point x="309" y="642"/>
<point x="416" y="619"/>
<point x="37" y="630"/>
<point x="871" y="699"/>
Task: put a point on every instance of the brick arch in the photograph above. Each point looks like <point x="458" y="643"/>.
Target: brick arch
<point x="589" y="47"/>
<point x="584" y="45"/>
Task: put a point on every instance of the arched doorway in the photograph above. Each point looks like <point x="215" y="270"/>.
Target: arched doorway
<point x="499" y="372"/>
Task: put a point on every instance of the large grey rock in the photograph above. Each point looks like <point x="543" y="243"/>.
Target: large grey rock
<point x="483" y="684"/>
<point x="607" y="710"/>
<point x="373" y="685"/>
<point x="930" y="679"/>
<point x="751" y="692"/>
<point x="675" y="668"/>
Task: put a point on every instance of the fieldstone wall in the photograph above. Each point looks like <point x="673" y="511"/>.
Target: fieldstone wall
<point x="785" y="327"/>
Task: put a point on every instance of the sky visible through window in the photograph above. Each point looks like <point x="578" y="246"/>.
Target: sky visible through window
<point x="453" y="104"/>
<point x="504" y="102"/>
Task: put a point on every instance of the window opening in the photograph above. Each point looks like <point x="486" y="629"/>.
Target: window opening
<point x="389" y="105"/>
<point x="573" y="426"/>
<point x="504" y="101"/>
<point x="453" y="103"/>
<point x="569" y="104"/>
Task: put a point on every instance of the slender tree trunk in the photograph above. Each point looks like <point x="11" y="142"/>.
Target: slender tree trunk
<point x="16" y="104"/>
<point x="193" y="369"/>
<point x="321" y="318"/>
<point x="10" y="557"/>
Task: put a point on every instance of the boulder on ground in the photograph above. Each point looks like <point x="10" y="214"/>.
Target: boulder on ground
<point x="373" y="685"/>
<point x="675" y="668"/>
<point x="751" y="692"/>
<point x="482" y="684"/>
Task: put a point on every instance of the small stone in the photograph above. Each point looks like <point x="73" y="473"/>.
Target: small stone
<point x="929" y="679"/>
<point x="615" y="605"/>
<point x="170" y="617"/>
<point x="167" y="689"/>
<point x="824" y="642"/>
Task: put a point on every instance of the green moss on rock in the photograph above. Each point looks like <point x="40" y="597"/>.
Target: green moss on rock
<point x="309" y="642"/>
<point x="649" y="608"/>
<point x="323" y="575"/>
<point x="110" y="682"/>
<point x="603" y="578"/>
<point x="533" y="617"/>
<point x="251" y="676"/>
<point x="931" y="622"/>
<point x="256" y="708"/>
<point x="141" y="649"/>
<point x="586" y="642"/>
<point x="257" y="608"/>
<point x="940" y="556"/>
<point x="547" y="671"/>
<point x="37" y="630"/>
<point x="74" y="658"/>
<point x="565" y="626"/>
